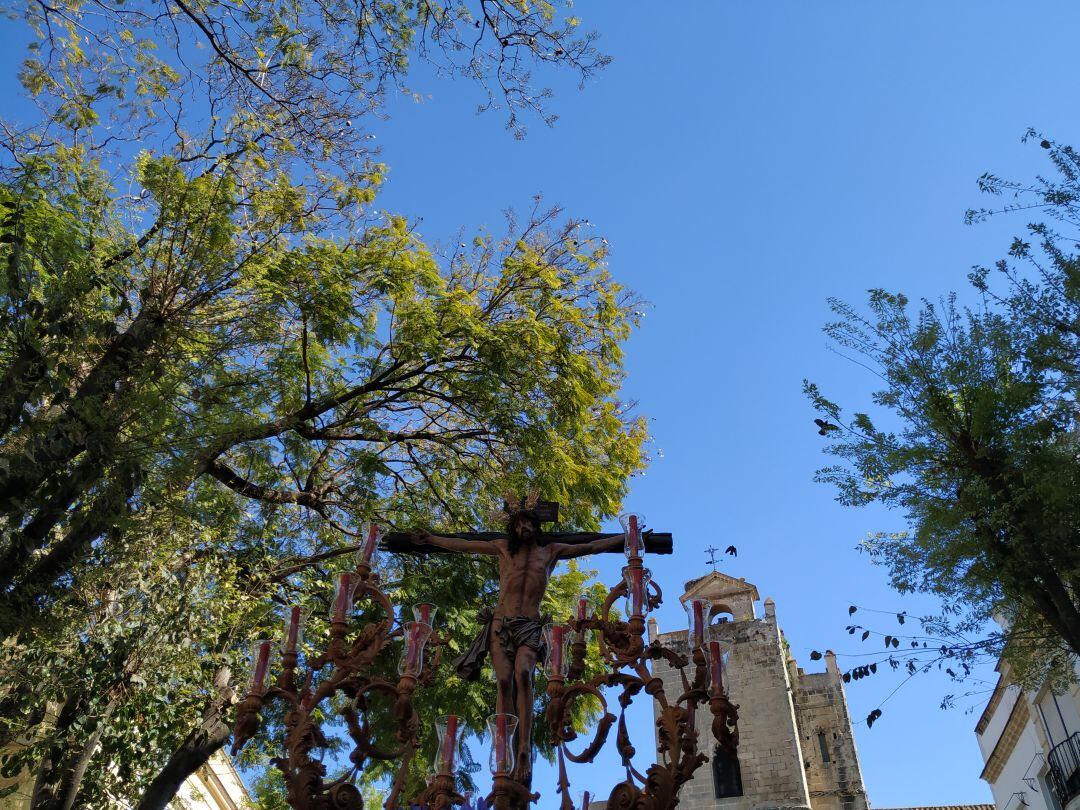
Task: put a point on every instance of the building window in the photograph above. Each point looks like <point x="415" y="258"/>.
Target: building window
<point x="823" y="746"/>
<point x="727" y="776"/>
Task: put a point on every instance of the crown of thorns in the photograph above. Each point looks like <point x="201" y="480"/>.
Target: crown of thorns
<point x="529" y="504"/>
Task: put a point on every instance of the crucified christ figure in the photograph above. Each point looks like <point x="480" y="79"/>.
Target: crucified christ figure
<point x="512" y="633"/>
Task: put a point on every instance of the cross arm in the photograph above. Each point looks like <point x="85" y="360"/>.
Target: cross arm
<point x="654" y="542"/>
<point x="420" y="543"/>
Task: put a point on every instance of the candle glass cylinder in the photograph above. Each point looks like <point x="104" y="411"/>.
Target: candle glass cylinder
<point x="697" y="615"/>
<point x="369" y="549"/>
<point x="637" y="582"/>
<point x="582" y="615"/>
<point x="719" y="654"/>
<point x="425" y="613"/>
<point x="412" y="656"/>
<point x="582" y="609"/>
<point x="344" y="588"/>
<point x="632" y="524"/>
<point x="294" y="629"/>
<point x="260" y="665"/>
<point x="557" y="640"/>
<point x="447" y="755"/>
<point x="502" y="728"/>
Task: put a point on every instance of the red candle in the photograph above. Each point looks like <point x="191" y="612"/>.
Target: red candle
<point x="717" y="664"/>
<point x="582" y="608"/>
<point x="262" y="663"/>
<point x="635" y="536"/>
<point x="637" y="590"/>
<point x="500" y="740"/>
<point x="585" y="800"/>
<point x="343" y="596"/>
<point x="556" y="663"/>
<point x="699" y="623"/>
<point x="371" y="542"/>
<point x="449" y="743"/>
<point x="292" y="635"/>
<point x="414" y="647"/>
<point x="423" y="613"/>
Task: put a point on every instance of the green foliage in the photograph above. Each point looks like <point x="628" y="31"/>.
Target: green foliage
<point x="217" y="358"/>
<point x="977" y="444"/>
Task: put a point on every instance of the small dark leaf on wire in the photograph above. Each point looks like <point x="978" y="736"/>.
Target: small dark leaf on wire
<point x="895" y="643"/>
<point x="900" y="617"/>
<point x="873" y="668"/>
<point x="851" y="610"/>
<point x="815" y="656"/>
<point x="870" y="718"/>
<point x="949" y="672"/>
<point x="847" y="677"/>
<point x="865" y="635"/>
<point x="888" y="641"/>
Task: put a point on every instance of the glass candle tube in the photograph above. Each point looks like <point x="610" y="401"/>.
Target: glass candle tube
<point x="696" y="613"/>
<point x="294" y="632"/>
<point x="260" y="665"/>
<point x="558" y="658"/>
<point x="425" y="613"/>
<point x="448" y="731"/>
<point x="637" y="580"/>
<point x="370" y="549"/>
<point x="502" y="728"/>
<point x="716" y="664"/>
<point x="632" y="523"/>
<point x="412" y="657"/>
<point x="343" y="594"/>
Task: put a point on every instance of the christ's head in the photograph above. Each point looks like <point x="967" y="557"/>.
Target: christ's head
<point x="522" y="527"/>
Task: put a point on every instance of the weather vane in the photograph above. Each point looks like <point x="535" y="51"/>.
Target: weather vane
<point x="712" y="556"/>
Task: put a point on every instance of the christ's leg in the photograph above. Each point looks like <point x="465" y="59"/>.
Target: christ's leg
<point x="524" y="665"/>
<point x="504" y="673"/>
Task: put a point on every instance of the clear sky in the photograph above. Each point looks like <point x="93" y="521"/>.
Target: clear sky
<point x="746" y="161"/>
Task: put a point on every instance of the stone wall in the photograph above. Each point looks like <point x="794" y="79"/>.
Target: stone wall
<point x="769" y="747"/>
<point x="829" y="756"/>
<point x="796" y="745"/>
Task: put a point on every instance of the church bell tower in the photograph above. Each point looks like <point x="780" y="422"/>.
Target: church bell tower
<point x="796" y="746"/>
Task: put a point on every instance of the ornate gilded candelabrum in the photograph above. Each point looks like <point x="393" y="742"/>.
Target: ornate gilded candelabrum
<point x="346" y="668"/>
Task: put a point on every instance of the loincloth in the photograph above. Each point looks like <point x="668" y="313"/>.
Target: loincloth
<point x="514" y="632"/>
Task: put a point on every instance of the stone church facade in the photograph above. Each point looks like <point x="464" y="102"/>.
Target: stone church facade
<point x="796" y="746"/>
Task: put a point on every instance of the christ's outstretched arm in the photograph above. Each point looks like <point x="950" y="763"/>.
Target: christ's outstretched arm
<point x="455" y="543"/>
<point x="564" y="551"/>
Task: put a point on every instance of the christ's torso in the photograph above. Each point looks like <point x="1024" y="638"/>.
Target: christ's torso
<point x="523" y="578"/>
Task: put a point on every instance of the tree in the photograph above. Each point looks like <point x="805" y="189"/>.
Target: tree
<point x="981" y="452"/>
<point x="218" y="358"/>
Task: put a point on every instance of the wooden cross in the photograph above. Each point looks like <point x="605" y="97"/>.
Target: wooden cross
<point x="548" y="512"/>
<point x="512" y="632"/>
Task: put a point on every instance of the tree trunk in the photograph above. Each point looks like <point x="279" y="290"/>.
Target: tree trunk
<point x="193" y="753"/>
<point x="75" y="768"/>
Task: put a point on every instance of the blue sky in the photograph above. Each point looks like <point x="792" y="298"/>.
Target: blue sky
<point x="746" y="161"/>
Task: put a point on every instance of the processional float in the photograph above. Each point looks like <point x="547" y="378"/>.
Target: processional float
<point x="355" y="656"/>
